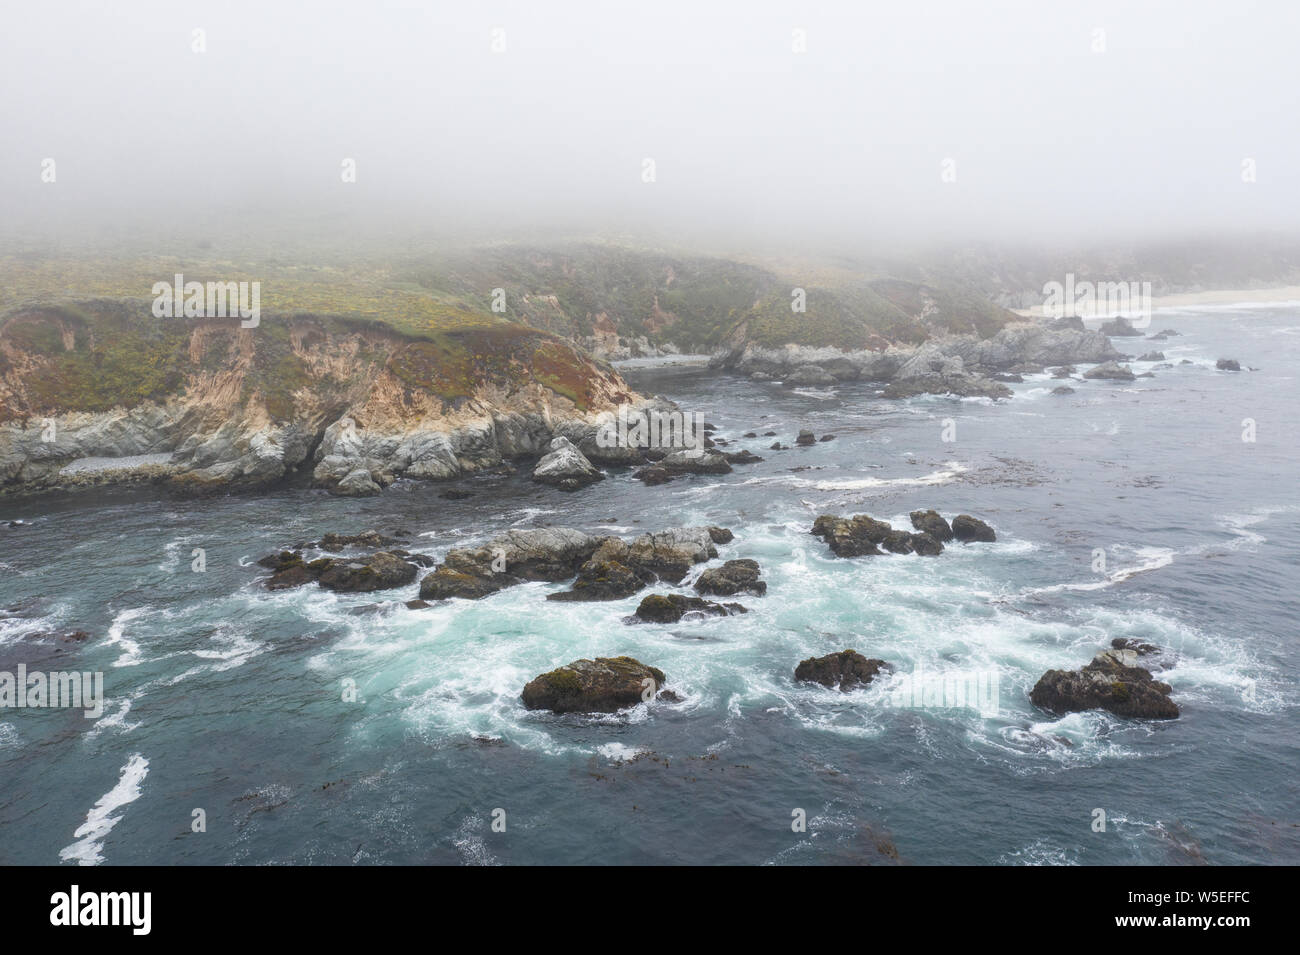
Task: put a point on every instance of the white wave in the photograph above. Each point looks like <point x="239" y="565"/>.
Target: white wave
<point x="117" y="636"/>
<point x="100" y="820"/>
<point x="1151" y="558"/>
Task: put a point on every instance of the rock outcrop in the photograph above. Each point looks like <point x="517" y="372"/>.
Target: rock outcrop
<point x="670" y="608"/>
<point x="844" y="670"/>
<point x="602" y="685"/>
<point x="733" y="577"/>
<point x="1112" y="681"/>
<point x="565" y="467"/>
<point x="967" y="529"/>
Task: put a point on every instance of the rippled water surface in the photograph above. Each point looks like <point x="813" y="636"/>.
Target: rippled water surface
<point x="227" y="698"/>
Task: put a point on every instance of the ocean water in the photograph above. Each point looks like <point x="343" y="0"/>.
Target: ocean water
<point x="224" y="698"/>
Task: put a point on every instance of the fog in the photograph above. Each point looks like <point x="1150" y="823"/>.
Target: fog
<point x="915" y="122"/>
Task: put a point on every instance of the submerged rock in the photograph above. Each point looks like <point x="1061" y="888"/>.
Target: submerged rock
<point x="1062" y="390"/>
<point x="733" y="577"/>
<point x="1112" y="682"/>
<point x="603" y="685"/>
<point x="966" y="528"/>
<point x="843" y="670"/>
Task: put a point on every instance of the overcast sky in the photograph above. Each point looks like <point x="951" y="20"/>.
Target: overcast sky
<point x="1052" y="128"/>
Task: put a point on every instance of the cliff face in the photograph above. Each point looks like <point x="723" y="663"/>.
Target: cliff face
<point x="106" y="392"/>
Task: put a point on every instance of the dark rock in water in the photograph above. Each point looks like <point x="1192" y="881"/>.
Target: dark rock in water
<point x="931" y="522"/>
<point x="926" y="545"/>
<point x="670" y="608"/>
<point x="742" y="457"/>
<point x="898" y="542"/>
<point x="379" y="571"/>
<point x="66" y="636"/>
<point x="769" y="434"/>
<point x="289" y="577"/>
<point x="1119" y="327"/>
<point x="1112" y="682"/>
<point x="418" y="605"/>
<point x="1146" y="374"/>
<point x="1009" y="378"/>
<point x="695" y="461"/>
<point x="966" y="528"/>
<point x="778" y="446"/>
<point x="668" y="696"/>
<point x="843" y="670"/>
<point x="1110" y="371"/>
<point x="601" y="579"/>
<point x="547" y="553"/>
<point x="733" y="577"/>
<point x="1152" y="356"/>
<point x="419" y="560"/>
<point x="721" y="535"/>
<point x="1062" y="390"/>
<point x="455" y="494"/>
<point x="565" y="467"/>
<point x="827" y="437"/>
<point x="1185" y="361"/>
<point x="813" y="375"/>
<point x="1227" y="364"/>
<point x="653" y="475"/>
<point x="603" y="685"/>
<point x="618" y="568"/>
<point x="1065" y="371"/>
<point x="805" y="438"/>
<point x="851" y="536"/>
<point x="749" y="434"/>
<point x="447" y="582"/>
<point x="1162" y="335"/>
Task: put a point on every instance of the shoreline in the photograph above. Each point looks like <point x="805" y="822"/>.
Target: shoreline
<point x="1278" y="295"/>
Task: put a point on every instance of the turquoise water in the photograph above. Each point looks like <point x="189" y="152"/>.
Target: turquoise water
<point x="229" y="699"/>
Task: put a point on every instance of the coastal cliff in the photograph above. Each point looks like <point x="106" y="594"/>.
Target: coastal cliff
<point x="105" y="392"/>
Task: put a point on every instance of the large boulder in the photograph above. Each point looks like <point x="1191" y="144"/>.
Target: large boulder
<point x="733" y="577"/>
<point x="695" y="461"/>
<point x="565" y="467"/>
<point x="356" y="483"/>
<point x="603" y="685"/>
<point x="447" y="582"/>
<point x="670" y="608"/>
<point x="966" y="529"/>
<point x="1112" y="682"/>
<point x="843" y="670"/>
<point x="1227" y="364"/>
<point x="931" y="522"/>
